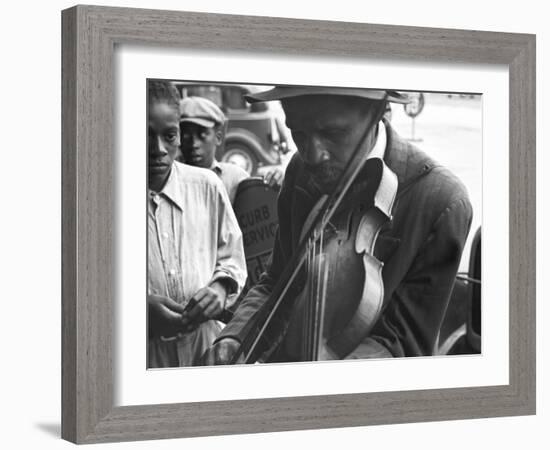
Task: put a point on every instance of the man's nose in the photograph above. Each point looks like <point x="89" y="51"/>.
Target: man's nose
<point x="195" y="140"/>
<point x="157" y="147"/>
<point x="313" y="151"/>
<point x="190" y="140"/>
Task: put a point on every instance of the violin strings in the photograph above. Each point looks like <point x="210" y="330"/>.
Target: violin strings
<point x="313" y="297"/>
<point x="307" y="307"/>
<point x="317" y="299"/>
<point x="323" y="301"/>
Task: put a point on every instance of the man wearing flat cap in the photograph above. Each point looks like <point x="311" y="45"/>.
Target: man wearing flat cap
<point x="202" y="132"/>
<point x="419" y="246"/>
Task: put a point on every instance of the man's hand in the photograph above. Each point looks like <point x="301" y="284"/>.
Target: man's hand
<point x="210" y="301"/>
<point x="274" y="178"/>
<point x="165" y="316"/>
<point x="222" y="352"/>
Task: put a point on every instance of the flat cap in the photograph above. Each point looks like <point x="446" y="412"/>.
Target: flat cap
<point x="201" y="111"/>
<point x="282" y="92"/>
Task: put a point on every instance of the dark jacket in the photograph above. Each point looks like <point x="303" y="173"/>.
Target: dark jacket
<point x="421" y="248"/>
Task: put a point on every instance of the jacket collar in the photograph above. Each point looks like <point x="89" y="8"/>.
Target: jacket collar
<point x="405" y="160"/>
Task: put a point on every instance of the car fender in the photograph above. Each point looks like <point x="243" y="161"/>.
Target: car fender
<point x="251" y="141"/>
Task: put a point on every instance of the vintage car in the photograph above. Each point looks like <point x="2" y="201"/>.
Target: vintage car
<point x="255" y="136"/>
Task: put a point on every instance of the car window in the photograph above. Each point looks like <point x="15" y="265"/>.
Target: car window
<point x="233" y="97"/>
<point x="212" y="93"/>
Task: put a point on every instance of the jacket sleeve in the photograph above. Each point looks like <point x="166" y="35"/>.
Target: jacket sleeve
<point x="410" y="322"/>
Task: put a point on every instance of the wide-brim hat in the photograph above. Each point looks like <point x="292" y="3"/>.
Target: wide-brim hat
<point x="284" y="92"/>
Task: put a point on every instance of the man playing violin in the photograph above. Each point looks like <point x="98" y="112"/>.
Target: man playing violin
<point x="419" y="247"/>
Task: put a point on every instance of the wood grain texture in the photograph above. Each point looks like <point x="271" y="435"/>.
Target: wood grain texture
<point x="68" y="226"/>
<point x="89" y="37"/>
<point x="523" y="225"/>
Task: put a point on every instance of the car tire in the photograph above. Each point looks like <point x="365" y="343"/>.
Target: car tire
<point x="241" y="155"/>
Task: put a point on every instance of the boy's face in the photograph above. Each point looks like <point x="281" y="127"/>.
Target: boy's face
<point x="163" y="142"/>
<point x="199" y="144"/>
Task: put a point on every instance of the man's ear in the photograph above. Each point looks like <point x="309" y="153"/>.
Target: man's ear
<point x="219" y="137"/>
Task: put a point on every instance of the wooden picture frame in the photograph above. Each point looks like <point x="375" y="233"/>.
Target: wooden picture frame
<point x="90" y="34"/>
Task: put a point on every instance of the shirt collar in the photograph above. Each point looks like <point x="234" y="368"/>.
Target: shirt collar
<point x="379" y="148"/>
<point x="216" y="167"/>
<point x="172" y="188"/>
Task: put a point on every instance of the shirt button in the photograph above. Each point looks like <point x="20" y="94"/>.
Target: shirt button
<point x="165" y="235"/>
<point x="156" y="198"/>
<point x="172" y="271"/>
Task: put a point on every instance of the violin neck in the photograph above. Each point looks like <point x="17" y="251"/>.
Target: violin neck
<point x="315" y="300"/>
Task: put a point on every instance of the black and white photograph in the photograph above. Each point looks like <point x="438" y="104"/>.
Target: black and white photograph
<point x="296" y="224"/>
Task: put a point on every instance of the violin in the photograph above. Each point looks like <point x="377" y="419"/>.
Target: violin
<point x="333" y="284"/>
<point x="344" y="291"/>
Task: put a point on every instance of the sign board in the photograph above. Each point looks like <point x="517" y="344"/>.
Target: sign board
<point x="256" y="210"/>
